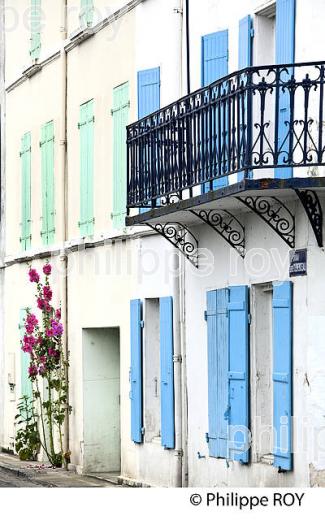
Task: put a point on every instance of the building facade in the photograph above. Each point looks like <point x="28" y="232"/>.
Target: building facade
<point x="167" y="157"/>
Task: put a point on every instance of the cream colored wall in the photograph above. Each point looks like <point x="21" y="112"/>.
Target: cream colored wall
<point x="94" y="69"/>
<point x="29" y="106"/>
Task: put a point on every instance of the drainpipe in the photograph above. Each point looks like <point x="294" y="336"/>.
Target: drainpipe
<point x="63" y="217"/>
<point x="178" y="386"/>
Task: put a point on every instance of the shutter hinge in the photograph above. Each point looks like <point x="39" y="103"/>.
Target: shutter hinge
<point x="207" y="437"/>
<point x="142" y="324"/>
<point x="143" y="430"/>
<point x="177" y="359"/>
<point x="179" y="453"/>
<point x="252" y="32"/>
<point x="249" y="318"/>
<point x="206" y="315"/>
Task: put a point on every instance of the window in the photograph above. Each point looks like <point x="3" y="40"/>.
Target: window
<point x="152" y="369"/>
<point x="120" y="113"/>
<point x="86" y="127"/>
<point x="86" y="13"/>
<point x="271" y="367"/>
<point x="228" y="373"/>
<point x="152" y="378"/>
<point x="35" y="49"/>
<point x="25" y="155"/>
<point x="48" y="212"/>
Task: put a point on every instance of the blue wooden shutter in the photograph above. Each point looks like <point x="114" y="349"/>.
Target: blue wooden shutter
<point x="285" y="53"/>
<point x="136" y="371"/>
<point x="214" y="66"/>
<point x="148" y="95"/>
<point x="214" y="57"/>
<point x="218" y="402"/>
<point x="148" y="91"/>
<point x="282" y="374"/>
<point x="245" y="55"/>
<point x="167" y="373"/>
<point x="238" y="374"/>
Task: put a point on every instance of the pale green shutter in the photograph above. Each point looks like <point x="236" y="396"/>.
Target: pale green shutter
<point x="35" y="49"/>
<point x="25" y="155"/>
<point x="48" y="211"/>
<point x="86" y="127"/>
<point x="120" y="114"/>
<point x="25" y="382"/>
<point x="86" y="13"/>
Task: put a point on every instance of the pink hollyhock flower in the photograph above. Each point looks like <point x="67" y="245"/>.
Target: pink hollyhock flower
<point x="31" y="319"/>
<point x="51" y="352"/>
<point x="29" y="343"/>
<point x="58" y="314"/>
<point x="29" y="328"/>
<point x="42" y="359"/>
<point x="32" y="370"/>
<point x="33" y="276"/>
<point x="47" y="307"/>
<point x="47" y="293"/>
<point x="47" y="269"/>
<point x="49" y="333"/>
<point x="40" y="303"/>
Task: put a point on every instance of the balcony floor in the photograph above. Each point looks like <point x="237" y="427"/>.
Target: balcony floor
<point x="225" y="198"/>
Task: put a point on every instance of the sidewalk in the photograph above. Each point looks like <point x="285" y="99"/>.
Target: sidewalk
<point x="44" y="475"/>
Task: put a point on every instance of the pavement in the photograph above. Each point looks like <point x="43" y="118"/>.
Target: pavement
<point x="16" y="473"/>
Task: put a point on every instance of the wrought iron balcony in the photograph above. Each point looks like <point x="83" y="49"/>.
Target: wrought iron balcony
<point x="259" y="118"/>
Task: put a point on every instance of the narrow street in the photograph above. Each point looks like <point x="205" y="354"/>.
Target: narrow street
<point x="10" y="480"/>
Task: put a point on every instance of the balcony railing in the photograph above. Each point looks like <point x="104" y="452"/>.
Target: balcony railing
<point x="257" y="118"/>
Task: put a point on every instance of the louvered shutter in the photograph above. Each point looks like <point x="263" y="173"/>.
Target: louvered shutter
<point x="218" y="363"/>
<point x="239" y="435"/>
<point x="35" y="49"/>
<point x="245" y="39"/>
<point x="136" y="371"/>
<point x="214" y="66"/>
<point x="285" y="53"/>
<point x="282" y="374"/>
<point x="25" y="155"/>
<point x="86" y="127"/>
<point x="120" y="113"/>
<point x="167" y="373"/>
<point x="47" y="156"/>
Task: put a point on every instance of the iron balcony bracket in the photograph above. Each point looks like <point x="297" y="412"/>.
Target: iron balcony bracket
<point x="226" y="225"/>
<point x="181" y="238"/>
<point x="275" y="214"/>
<point x="312" y="206"/>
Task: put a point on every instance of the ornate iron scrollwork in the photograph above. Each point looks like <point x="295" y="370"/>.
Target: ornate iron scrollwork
<point x="311" y="203"/>
<point x="275" y="214"/>
<point x="181" y="238"/>
<point x="226" y="225"/>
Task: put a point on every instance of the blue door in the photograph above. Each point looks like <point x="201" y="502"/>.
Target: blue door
<point x="285" y="53"/>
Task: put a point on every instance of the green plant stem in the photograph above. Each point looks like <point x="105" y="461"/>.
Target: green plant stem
<point x="44" y="446"/>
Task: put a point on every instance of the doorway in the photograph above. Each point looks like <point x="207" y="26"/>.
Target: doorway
<point x="101" y="400"/>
